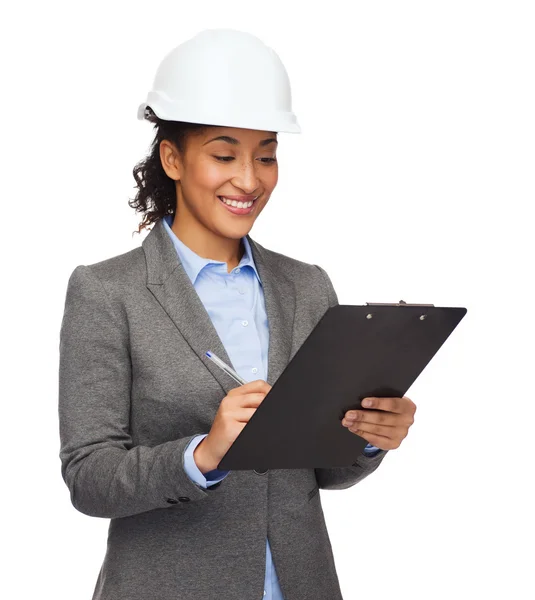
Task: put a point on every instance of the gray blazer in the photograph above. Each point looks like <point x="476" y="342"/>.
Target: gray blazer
<point x="135" y="388"/>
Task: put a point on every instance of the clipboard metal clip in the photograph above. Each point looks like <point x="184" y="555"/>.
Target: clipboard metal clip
<point x="400" y="303"/>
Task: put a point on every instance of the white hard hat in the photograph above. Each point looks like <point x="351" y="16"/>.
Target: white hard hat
<point x="223" y="77"/>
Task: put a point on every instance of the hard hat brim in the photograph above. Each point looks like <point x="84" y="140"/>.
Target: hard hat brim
<point x="284" y="122"/>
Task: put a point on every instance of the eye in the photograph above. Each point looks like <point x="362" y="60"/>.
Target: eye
<point x="229" y="158"/>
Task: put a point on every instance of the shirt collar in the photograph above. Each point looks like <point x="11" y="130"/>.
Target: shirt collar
<point x="193" y="263"/>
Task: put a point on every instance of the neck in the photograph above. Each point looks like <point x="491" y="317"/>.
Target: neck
<point x="207" y="244"/>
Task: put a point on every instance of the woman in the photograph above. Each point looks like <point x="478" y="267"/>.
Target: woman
<point x="145" y="417"/>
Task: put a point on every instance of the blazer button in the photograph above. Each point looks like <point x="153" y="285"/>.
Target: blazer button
<point x="172" y="500"/>
<point x="184" y="499"/>
<point x="261" y="472"/>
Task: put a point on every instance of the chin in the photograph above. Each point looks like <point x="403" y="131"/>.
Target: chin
<point x="236" y="233"/>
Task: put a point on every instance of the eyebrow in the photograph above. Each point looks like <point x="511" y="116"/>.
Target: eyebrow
<point x="231" y="140"/>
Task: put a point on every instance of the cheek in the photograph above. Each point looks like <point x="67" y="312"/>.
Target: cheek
<point x="269" y="180"/>
<point x="209" y="176"/>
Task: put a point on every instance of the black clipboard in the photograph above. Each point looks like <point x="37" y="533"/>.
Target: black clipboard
<point x="353" y="352"/>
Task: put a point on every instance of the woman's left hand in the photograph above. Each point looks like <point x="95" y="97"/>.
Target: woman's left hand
<point x="384" y="423"/>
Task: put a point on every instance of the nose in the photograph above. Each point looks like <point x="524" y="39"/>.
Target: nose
<point x="246" y="177"/>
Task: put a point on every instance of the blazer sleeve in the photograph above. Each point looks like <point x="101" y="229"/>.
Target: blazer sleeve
<point x="339" y="478"/>
<point x="106" y="474"/>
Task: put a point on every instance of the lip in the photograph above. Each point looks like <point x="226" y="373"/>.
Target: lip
<point x="240" y="198"/>
<point x="238" y="211"/>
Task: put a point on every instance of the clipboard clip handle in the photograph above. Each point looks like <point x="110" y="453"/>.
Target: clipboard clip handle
<point x="400" y="303"/>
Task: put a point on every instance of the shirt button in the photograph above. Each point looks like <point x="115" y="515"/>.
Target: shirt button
<point x="237" y="270"/>
<point x="241" y="291"/>
<point x="245" y="323"/>
<point x="254" y="369"/>
<point x="264" y="592"/>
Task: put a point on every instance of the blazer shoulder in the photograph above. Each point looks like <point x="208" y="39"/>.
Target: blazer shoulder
<point x="108" y="282"/>
<point x="289" y="264"/>
<point x="309" y="276"/>
<point x="125" y="268"/>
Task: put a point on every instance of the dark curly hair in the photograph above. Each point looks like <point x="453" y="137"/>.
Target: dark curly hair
<point x="156" y="194"/>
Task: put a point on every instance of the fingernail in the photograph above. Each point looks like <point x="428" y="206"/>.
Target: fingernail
<point x="367" y="402"/>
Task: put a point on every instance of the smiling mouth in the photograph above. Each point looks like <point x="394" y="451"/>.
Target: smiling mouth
<point x="237" y="203"/>
<point x="245" y="209"/>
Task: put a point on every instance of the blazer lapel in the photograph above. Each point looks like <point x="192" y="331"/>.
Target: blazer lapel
<point x="279" y="298"/>
<point x="169" y="283"/>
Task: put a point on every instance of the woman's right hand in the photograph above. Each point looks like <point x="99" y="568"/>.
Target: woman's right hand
<point x="233" y="414"/>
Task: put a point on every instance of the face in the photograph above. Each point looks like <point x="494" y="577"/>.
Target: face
<point x="240" y="164"/>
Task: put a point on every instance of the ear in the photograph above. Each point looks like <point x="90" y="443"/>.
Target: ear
<point x="170" y="159"/>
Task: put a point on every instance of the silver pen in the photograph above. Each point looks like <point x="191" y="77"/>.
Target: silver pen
<point x="222" y="365"/>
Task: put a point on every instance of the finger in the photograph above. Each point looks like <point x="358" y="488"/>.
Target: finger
<point x="252" y="399"/>
<point x="243" y="415"/>
<point x="382" y="442"/>
<point x="395" y="405"/>
<point x="369" y="428"/>
<point x="371" y="416"/>
<point x="258" y="385"/>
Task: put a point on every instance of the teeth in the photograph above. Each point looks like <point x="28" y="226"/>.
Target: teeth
<point x="237" y="204"/>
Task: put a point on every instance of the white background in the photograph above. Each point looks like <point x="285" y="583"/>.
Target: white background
<point x="413" y="179"/>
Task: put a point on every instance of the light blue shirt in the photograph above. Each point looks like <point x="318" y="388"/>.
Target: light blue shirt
<point x="235" y="304"/>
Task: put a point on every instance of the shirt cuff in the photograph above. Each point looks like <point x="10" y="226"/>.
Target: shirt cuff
<point x="370" y="450"/>
<point x="193" y="470"/>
